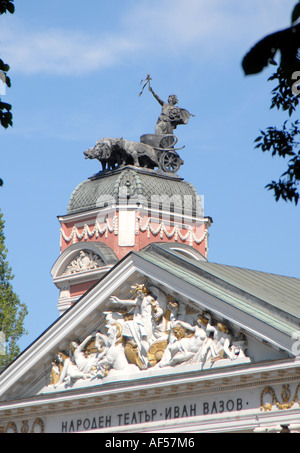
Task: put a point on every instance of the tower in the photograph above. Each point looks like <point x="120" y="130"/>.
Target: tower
<point x="137" y="199"/>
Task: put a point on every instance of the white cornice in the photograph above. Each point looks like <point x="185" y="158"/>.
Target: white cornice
<point x="177" y="383"/>
<point x="82" y="216"/>
<point x="81" y="277"/>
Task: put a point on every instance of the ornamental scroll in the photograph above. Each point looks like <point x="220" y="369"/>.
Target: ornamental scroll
<point x="155" y="331"/>
<point x="285" y="396"/>
<point x="38" y="426"/>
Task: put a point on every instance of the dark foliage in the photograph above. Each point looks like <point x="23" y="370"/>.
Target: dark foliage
<point x="5" y="108"/>
<point x="7" y="5"/>
<point x="282" y="142"/>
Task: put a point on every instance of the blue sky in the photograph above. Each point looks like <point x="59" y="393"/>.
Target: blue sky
<point x="76" y="68"/>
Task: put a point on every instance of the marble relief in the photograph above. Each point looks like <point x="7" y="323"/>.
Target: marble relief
<point x="84" y="261"/>
<point x="150" y="331"/>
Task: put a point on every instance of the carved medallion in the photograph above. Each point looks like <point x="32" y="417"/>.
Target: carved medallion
<point x="86" y="260"/>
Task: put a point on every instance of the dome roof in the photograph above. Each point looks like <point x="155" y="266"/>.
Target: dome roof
<point x="136" y="185"/>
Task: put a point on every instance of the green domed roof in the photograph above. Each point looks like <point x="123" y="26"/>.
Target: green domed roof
<point x="136" y="185"/>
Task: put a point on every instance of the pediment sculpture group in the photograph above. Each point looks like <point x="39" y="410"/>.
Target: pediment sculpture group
<point x="154" y="331"/>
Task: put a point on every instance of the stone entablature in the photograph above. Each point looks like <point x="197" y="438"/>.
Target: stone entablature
<point x="223" y="400"/>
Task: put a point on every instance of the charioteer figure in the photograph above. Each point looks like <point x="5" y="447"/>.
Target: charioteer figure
<point x="171" y="115"/>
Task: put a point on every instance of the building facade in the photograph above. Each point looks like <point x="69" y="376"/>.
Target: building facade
<point x="151" y="336"/>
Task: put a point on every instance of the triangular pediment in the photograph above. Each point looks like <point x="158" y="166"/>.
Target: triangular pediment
<point x="156" y="313"/>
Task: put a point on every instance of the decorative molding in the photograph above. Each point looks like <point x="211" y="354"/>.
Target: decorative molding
<point x="97" y="230"/>
<point x="285" y="395"/>
<point x="98" y="248"/>
<point x="283" y="428"/>
<point x="85" y="260"/>
<point x="38" y="422"/>
<point x="86" y="234"/>
<point x="217" y="388"/>
<point x="173" y="233"/>
<point x="11" y="427"/>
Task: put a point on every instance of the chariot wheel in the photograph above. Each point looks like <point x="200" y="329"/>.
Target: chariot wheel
<point x="170" y="161"/>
